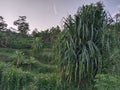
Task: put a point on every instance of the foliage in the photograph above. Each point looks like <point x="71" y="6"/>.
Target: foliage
<point x="21" y="43"/>
<point x="12" y="78"/>
<point x="2" y="66"/>
<point x="23" y="26"/>
<point x="15" y="79"/>
<point x="18" y="58"/>
<point x="83" y="45"/>
<point x="48" y="36"/>
<point x="3" y="39"/>
<point x="46" y="81"/>
<point x="107" y="82"/>
<point x="87" y="53"/>
<point x="37" y="46"/>
<point x="3" y="24"/>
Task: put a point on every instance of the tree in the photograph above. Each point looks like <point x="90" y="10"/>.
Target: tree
<point x="3" y="25"/>
<point x="3" y="36"/>
<point x="117" y="23"/>
<point x="54" y="32"/>
<point x="117" y="17"/>
<point x="35" y="32"/>
<point x="45" y="35"/>
<point x="23" y="26"/>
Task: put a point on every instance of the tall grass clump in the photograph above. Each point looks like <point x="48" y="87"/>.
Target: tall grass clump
<point x="83" y="45"/>
<point x="17" y="58"/>
<point x="15" y="79"/>
<point x="37" y="46"/>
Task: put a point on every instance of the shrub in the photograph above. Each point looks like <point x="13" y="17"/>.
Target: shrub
<point x="83" y="45"/>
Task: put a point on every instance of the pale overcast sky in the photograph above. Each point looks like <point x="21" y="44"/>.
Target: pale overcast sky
<point x="43" y="14"/>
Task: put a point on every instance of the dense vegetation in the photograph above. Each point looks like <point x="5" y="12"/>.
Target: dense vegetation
<point x="84" y="55"/>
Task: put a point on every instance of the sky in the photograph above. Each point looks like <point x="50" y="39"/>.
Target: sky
<point x="43" y="14"/>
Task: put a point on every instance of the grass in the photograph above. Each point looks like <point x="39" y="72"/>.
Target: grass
<point x="5" y="54"/>
<point x="107" y="81"/>
<point x="41" y="76"/>
<point x="12" y="78"/>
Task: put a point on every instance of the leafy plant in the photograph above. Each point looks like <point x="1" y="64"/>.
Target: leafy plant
<point x="107" y="82"/>
<point x="37" y="46"/>
<point x="83" y="45"/>
<point x="15" y="79"/>
<point x="18" y="58"/>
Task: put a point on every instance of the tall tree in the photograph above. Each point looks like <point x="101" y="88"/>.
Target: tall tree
<point x="3" y="25"/>
<point x="35" y="32"/>
<point x="117" y="17"/>
<point x="23" y="26"/>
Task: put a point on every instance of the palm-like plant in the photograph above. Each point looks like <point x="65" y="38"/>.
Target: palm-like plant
<point x="37" y="45"/>
<point x="82" y="45"/>
<point x="18" y="58"/>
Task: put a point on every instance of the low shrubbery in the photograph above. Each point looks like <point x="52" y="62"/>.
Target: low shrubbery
<point x="107" y="82"/>
<point x="12" y="78"/>
<point x="15" y="79"/>
<point x="21" y="43"/>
